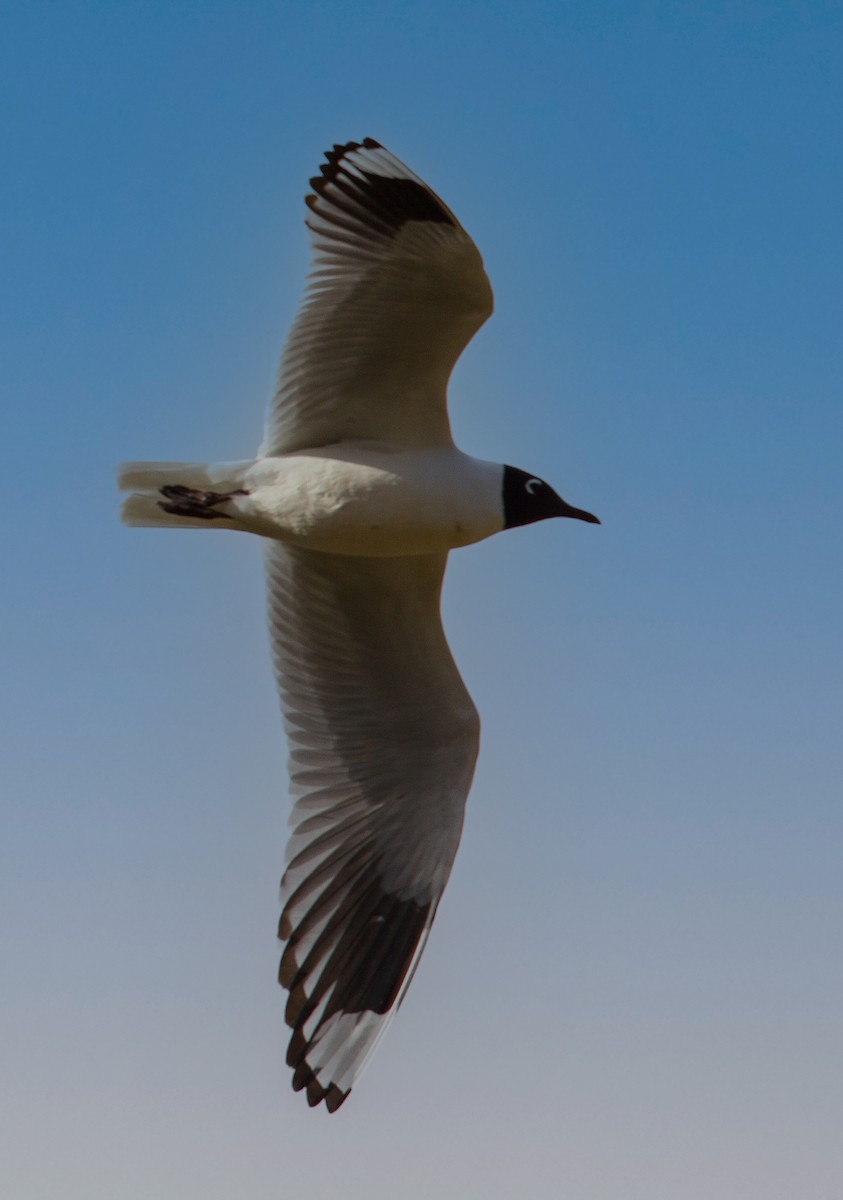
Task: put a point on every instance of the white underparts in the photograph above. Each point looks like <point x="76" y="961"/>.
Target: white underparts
<point x="340" y="499"/>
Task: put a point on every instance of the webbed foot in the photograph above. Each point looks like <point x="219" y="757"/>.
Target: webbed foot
<point x="191" y="502"/>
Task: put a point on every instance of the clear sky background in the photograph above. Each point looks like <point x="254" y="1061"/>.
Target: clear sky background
<point x="634" y="986"/>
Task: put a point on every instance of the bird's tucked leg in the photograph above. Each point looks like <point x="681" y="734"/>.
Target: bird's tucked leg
<point x="192" y="502"/>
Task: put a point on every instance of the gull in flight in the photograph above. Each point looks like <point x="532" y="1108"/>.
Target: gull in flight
<point x="359" y="494"/>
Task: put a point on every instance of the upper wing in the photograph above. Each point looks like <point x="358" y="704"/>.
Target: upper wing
<point x="383" y="738"/>
<point x="396" y="292"/>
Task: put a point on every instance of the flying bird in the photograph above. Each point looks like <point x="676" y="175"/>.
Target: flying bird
<point x="359" y="493"/>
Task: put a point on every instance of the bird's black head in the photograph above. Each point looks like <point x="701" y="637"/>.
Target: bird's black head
<point x="526" y="499"/>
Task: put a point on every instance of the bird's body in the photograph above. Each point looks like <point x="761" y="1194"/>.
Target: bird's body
<point x="350" y="500"/>
<point x="360" y="493"/>
<point x="344" y="499"/>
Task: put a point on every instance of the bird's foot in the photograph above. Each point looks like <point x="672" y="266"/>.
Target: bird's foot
<point x="191" y="502"/>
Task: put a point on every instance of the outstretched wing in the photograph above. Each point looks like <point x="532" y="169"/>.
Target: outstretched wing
<point x="383" y="739"/>
<point x="396" y="292"/>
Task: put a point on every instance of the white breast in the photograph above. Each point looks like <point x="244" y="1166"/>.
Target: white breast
<point x="353" y="500"/>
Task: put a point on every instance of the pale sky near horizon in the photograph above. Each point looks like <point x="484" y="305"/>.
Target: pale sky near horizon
<point x="634" y="986"/>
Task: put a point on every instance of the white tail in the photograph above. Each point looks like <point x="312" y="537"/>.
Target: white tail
<point x="145" y="479"/>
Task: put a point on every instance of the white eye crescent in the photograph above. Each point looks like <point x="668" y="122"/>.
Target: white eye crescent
<point x="532" y="484"/>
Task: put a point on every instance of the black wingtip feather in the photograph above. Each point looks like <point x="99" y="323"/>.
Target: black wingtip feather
<point x="296" y="1049"/>
<point x="305" y="1080"/>
<point x="334" y="1097"/>
<point x="382" y="203"/>
<point x="363" y="954"/>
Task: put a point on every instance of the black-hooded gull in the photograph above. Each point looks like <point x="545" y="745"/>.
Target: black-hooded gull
<point x="361" y="493"/>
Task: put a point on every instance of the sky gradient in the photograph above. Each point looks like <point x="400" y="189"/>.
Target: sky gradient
<point x="634" y="985"/>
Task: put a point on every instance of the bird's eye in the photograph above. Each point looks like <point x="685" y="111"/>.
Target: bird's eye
<point x="533" y="485"/>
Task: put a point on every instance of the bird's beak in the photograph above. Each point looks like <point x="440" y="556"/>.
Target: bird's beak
<point x="568" y="510"/>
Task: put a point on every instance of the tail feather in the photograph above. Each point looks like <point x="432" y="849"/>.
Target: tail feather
<point x="150" y="476"/>
<point x="144" y="480"/>
<point x="143" y="510"/>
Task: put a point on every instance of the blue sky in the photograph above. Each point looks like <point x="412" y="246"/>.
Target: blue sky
<point x="634" y="985"/>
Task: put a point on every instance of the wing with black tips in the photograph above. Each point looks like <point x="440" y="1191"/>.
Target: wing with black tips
<point x="396" y="292"/>
<point x="383" y="741"/>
